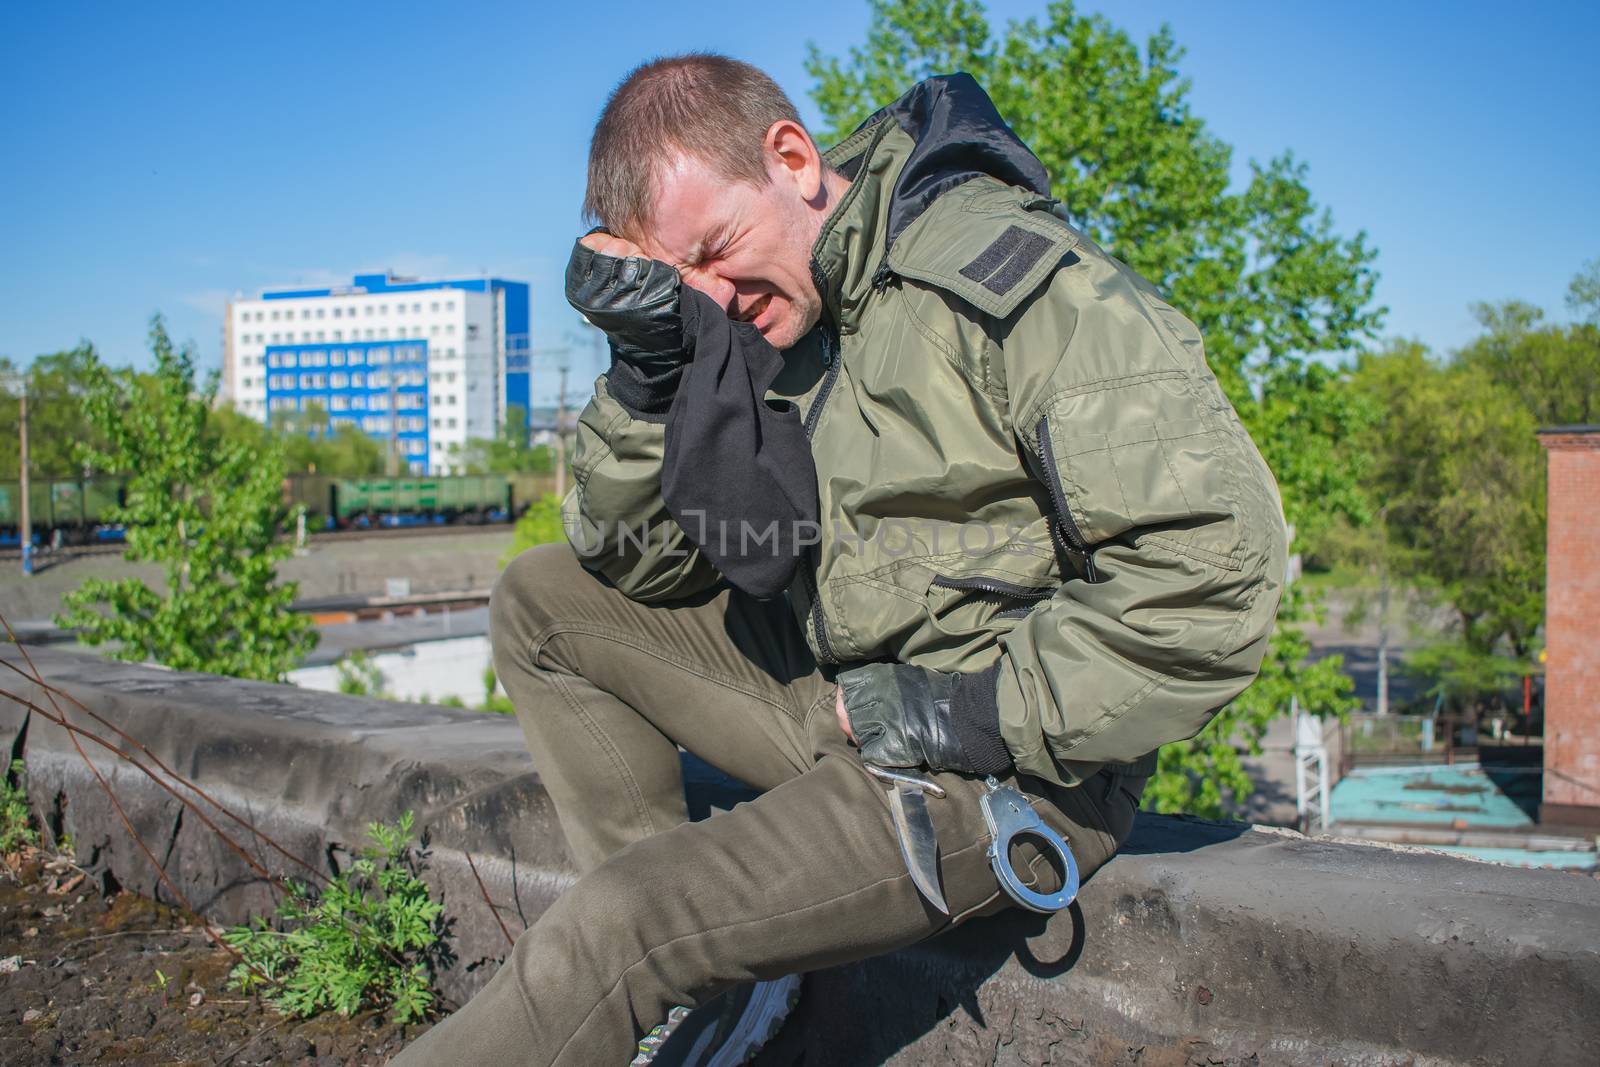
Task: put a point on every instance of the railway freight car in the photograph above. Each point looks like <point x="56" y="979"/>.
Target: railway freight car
<point x="76" y="509"/>
<point x="361" y="503"/>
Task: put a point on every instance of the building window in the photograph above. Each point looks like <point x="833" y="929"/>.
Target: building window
<point x="434" y="307"/>
<point x="338" y="335"/>
<point x="450" y="305"/>
<point x="416" y="308"/>
<point x="450" y="327"/>
<point x="337" y="357"/>
<point x="321" y="312"/>
<point x="450" y="423"/>
<point x="340" y="379"/>
<point x="358" y="380"/>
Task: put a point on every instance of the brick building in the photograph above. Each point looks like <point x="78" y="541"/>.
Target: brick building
<point x="1572" y="629"/>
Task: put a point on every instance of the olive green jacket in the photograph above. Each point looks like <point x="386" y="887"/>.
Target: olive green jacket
<point x="1025" y="467"/>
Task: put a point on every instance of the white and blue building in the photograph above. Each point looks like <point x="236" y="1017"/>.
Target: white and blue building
<point x="425" y="366"/>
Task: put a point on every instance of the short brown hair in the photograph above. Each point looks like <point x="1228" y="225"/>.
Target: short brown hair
<point x="708" y="106"/>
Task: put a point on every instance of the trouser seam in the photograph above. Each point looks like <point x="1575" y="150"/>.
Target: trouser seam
<point x="632" y="641"/>
<point x="601" y="738"/>
<point x="904" y="877"/>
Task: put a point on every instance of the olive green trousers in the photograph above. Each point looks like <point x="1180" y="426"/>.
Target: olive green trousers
<point x="669" y="911"/>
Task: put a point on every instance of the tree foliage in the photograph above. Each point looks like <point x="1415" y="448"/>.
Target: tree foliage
<point x="509" y="451"/>
<point x="57" y="385"/>
<point x="539" y="525"/>
<point x="310" y="444"/>
<point x="1259" y="268"/>
<point x="208" y="508"/>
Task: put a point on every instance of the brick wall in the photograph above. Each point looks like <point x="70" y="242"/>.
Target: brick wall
<point x="1572" y="628"/>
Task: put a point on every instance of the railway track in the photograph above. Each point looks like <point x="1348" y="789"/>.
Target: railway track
<point x="323" y="537"/>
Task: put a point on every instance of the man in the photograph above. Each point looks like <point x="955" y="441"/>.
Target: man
<point x="988" y="513"/>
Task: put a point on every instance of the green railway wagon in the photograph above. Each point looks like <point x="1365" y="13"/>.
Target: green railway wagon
<point x="73" y="506"/>
<point x="439" y="499"/>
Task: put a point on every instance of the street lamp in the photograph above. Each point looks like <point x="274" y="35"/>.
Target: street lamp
<point x="25" y="527"/>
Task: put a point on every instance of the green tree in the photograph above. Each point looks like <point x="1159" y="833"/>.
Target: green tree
<point x="1553" y="370"/>
<point x="56" y="386"/>
<point x="210" y="510"/>
<point x="1260" y="269"/>
<point x="1462" y="475"/>
<point x="509" y="451"/>
<point x="539" y="525"/>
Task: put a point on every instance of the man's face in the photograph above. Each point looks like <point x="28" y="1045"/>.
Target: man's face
<point x="746" y="247"/>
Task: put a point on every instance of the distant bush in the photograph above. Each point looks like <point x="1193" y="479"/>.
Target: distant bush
<point x="539" y="525"/>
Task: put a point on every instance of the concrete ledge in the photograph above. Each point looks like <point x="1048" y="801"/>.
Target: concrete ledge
<point x="1203" y="942"/>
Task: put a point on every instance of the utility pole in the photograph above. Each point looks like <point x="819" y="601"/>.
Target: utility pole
<point x="561" y="436"/>
<point x="26" y="528"/>
<point x="394" y="428"/>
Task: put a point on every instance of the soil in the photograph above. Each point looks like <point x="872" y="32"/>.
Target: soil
<point x="79" y="984"/>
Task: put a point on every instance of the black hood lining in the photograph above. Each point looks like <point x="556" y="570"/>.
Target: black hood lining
<point x="958" y="135"/>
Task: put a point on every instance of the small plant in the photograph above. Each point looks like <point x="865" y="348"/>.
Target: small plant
<point x="162" y="983"/>
<point x="494" y="700"/>
<point x="360" y="677"/>
<point x="369" y="939"/>
<point x="16" y="827"/>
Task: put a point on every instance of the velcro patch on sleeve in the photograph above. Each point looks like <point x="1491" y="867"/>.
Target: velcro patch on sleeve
<point x="1008" y="260"/>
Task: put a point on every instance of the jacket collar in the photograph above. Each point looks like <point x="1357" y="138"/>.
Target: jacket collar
<point x="945" y="131"/>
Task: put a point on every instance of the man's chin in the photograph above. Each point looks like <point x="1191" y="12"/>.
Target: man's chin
<point x="787" y="332"/>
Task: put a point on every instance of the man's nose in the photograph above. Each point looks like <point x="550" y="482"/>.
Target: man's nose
<point x="712" y="284"/>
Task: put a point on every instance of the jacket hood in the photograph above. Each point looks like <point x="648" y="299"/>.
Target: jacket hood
<point x="958" y="136"/>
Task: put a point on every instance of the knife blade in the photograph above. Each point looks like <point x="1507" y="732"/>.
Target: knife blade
<point x="919" y="845"/>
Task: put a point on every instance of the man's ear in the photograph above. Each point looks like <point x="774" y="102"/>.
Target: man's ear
<point x="793" y="156"/>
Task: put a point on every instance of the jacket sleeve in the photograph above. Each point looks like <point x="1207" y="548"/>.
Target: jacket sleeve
<point x="614" y="516"/>
<point x="1150" y="472"/>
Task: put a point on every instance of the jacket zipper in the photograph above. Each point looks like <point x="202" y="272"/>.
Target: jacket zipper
<point x="1030" y="595"/>
<point x="994" y="586"/>
<point x="1064" y="526"/>
<point x="819" y="625"/>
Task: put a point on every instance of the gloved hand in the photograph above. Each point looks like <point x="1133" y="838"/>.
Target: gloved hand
<point x="906" y="716"/>
<point x="635" y="301"/>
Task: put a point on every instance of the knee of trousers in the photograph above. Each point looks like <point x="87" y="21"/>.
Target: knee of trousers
<point x="610" y="921"/>
<point x="520" y="600"/>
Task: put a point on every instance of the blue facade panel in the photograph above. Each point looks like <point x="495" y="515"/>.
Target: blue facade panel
<point x="519" y="361"/>
<point x="359" y="383"/>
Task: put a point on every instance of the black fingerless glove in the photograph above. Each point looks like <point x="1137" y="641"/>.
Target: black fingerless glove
<point x="905" y="716"/>
<point x="634" y="300"/>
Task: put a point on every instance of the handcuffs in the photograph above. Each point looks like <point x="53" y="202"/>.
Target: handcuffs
<point x="1009" y="816"/>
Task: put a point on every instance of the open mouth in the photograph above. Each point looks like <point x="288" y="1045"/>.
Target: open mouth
<point x="753" y="312"/>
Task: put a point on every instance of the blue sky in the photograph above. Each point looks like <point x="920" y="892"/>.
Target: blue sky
<point x="163" y="156"/>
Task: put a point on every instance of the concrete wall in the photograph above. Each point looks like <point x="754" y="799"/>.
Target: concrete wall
<point x="1572" y="592"/>
<point x="1202" y="943"/>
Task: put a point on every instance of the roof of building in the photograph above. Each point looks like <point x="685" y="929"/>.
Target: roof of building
<point x="394" y="283"/>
